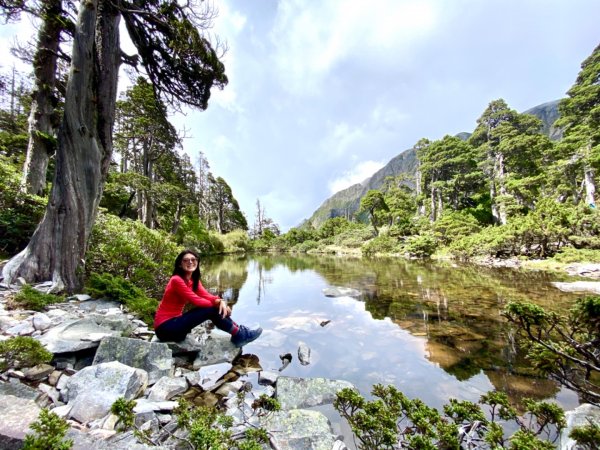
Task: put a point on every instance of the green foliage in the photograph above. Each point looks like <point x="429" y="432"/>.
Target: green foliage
<point x="420" y="246"/>
<point x="392" y="420"/>
<point x="49" y="433"/>
<point x="19" y="212"/>
<point x="30" y="298"/>
<point x="455" y="225"/>
<point x="211" y="430"/>
<point x="123" y="409"/>
<point x="383" y="244"/>
<point x="236" y="241"/>
<point x="571" y="255"/>
<point x="22" y="351"/>
<point x="587" y="436"/>
<point x="127" y="249"/>
<point x="119" y="289"/>
<point x="373" y="203"/>
<point x="563" y="347"/>
<point x="354" y="237"/>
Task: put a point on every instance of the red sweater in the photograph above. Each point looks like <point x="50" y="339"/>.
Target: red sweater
<point x="177" y="294"/>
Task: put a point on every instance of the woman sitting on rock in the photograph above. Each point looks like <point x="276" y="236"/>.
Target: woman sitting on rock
<point x="171" y="324"/>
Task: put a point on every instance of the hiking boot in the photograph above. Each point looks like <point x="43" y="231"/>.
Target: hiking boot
<point x="245" y="336"/>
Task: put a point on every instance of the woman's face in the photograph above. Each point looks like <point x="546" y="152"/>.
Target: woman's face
<point x="189" y="263"/>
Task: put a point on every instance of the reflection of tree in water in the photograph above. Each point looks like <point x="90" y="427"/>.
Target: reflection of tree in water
<point x="225" y="276"/>
<point x="457" y="309"/>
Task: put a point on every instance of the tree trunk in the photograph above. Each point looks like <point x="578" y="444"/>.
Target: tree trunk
<point x="500" y="176"/>
<point x="419" y="191"/>
<point x="57" y="249"/>
<point x="42" y="122"/>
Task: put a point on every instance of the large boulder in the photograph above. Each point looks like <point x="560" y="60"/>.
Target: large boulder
<point x="75" y="335"/>
<point x="93" y="390"/>
<point x="18" y="410"/>
<point x="299" y="429"/>
<point x="153" y="357"/>
<point x="295" y="393"/>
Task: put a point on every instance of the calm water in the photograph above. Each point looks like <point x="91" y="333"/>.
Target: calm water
<point x="433" y="330"/>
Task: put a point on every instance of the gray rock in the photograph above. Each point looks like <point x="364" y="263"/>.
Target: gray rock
<point x="578" y="286"/>
<point x="216" y="349"/>
<point x="295" y="393"/>
<point x="582" y="415"/>
<point x="153" y="357"/>
<point x="339" y="291"/>
<point x="299" y="429"/>
<point x="93" y="390"/>
<point x="18" y="410"/>
<point x="267" y="377"/>
<point x="76" y="335"/>
<point x="38" y="372"/>
<point x="144" y="405"/>
<point x="303" y="353"/>
<point x="166" y="388"/>
<point x="41" y="321"/>
<point x="22" y="328"/>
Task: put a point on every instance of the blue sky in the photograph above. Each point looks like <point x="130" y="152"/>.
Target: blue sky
<point x="323" y="94"/>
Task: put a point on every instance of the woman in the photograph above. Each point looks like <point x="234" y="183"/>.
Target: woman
<point x="170" y="324"/>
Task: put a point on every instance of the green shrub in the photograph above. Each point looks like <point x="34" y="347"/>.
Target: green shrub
<point x="572" y="255"/>
<point x="392" y="420"/>
<point x="123" y="409"/>
<point x="22" y="351"/>
<point x="354" y="237"/>
<point x="50" y="431"/>
<point x="380" y="245"/>
<point x="123" y="291"/>
<point x="19" y="213"/>
<point x="30" y="298"/>
<point x="305" y="246"/>
<point x="421" y="245"/>
<point x="454" y="225"/>
<point x="127" y="249"/>
<point x="236" y="241"/>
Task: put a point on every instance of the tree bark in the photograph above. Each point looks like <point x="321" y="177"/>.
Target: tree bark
<point x="57" y="249"/>
<point x="42" y="121"/>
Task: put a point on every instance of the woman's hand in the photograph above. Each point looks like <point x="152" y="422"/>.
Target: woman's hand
<point x="224" y="310"/>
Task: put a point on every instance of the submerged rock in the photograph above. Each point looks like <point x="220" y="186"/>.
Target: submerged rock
<point x="294" y="393"/>
<point x="578" y="286"/>
<point x="339" y="291"/>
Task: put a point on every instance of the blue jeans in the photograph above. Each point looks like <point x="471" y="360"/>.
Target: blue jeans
<point x="177" y="328"/>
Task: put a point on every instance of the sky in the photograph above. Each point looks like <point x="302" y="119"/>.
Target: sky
<point x="322" y="94"/>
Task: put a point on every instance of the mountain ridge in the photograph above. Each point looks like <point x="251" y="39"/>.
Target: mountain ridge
<point x="346" y="202"/>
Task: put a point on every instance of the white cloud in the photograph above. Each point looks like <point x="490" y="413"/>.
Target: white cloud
<point x="358" y="174"/>
<point x="310" y="39"/>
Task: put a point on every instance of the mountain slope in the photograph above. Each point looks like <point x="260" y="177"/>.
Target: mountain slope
<point x="346" y="202"/>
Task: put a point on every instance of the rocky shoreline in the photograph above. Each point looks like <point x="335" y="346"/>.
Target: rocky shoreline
<point x="102" y="353"/>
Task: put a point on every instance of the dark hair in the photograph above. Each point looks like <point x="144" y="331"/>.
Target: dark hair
<point x="178" y="270"/>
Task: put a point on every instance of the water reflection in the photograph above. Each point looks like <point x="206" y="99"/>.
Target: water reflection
<point x="434" y="330"/>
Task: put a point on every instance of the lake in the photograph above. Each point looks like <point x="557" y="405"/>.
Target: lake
<point x="432" y="329"/>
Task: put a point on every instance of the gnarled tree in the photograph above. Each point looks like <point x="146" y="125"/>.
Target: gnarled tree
<point x="182" y="66"/>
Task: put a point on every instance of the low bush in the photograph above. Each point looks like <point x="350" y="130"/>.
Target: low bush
<point x="123" y="291"/>
<point x="380" y="245"/>
<point x="236" y="241"/>
<point x="354" y="237"/>
<point x="20" y="213"/>
<point x="572" y="255"/>
<point x="30" y="298"/>
<point x="127" y="249"/>
<point x="455" y="225"/>
<point x="305" y="246"/>
<point x="393" y="420"/>
<point x="50" y="431"/>
<point x="22" y="351"/>
<point x="420" y="245"/>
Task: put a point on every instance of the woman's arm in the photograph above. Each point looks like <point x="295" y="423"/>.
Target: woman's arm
<point x="201" y="297"/>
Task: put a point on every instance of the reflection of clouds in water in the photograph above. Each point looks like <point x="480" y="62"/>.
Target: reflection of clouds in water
<point x="381" y="378"/>
<point x="298" y="320"/>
